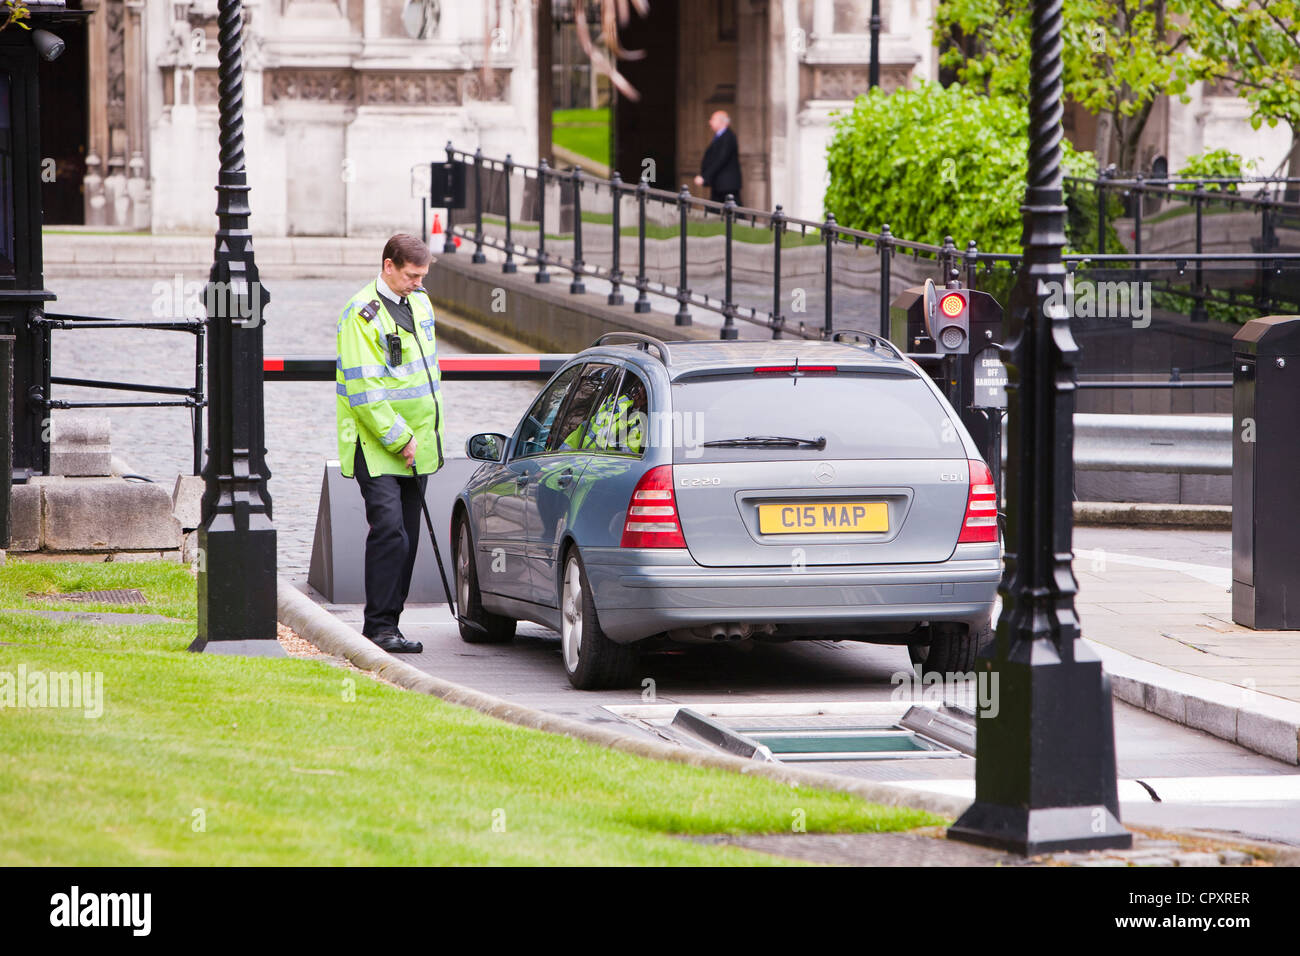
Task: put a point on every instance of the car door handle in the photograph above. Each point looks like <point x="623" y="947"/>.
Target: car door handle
<point x="565" y="479"/>
<point x="523" y="480"/>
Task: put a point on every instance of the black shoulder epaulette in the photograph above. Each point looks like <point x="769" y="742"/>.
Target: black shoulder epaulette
<point x="370" y="310"/>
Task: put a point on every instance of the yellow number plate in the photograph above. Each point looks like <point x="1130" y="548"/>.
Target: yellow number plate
<point x="823" y="517"/>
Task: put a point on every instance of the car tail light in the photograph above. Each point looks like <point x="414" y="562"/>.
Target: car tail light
<point x="796" y="370"/>
<point x="652" y="520"/>
<point x="981" y="520"/>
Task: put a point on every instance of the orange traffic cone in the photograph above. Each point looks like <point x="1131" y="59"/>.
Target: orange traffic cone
<point x="438" y="238"/>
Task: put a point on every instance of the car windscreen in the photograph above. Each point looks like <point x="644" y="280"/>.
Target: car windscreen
<point x="858" y="415"/>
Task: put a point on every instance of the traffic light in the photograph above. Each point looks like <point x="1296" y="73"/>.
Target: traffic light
<point x="947" y="318"/>
<point x="447" y="185"/>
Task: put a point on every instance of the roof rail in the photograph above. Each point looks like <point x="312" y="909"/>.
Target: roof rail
<point x="836" y="333"/>
<point x="643" y="342"/>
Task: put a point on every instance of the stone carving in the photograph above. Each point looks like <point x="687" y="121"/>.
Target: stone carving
<point x="421" y="18"/>
<point x="495" y="89"/>
<point x="322" y="86"/>
<point x="116" y="200"/>
<point x="411" y="89"/>
<point x="116" y="64"/>
<point x="138" y="192"/>
<point x="386" y="88"/>
<point x="379" y="88"/>
<point x="848" y="82"/>
<point x="206" y="87"/>
<point x="96" y="214"/>
<point x="444" y="88"/>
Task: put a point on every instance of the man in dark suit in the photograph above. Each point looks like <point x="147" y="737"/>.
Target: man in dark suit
<point x="720" y="168"/>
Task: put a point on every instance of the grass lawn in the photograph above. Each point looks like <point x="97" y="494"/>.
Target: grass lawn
<point x="202" y="759"/>
<point x="585" y="132"/>
<point x="578" y="117"/>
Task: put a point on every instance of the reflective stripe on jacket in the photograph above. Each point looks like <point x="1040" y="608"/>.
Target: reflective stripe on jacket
<point x="611" y="428"/>
<point x="385" y="405"/>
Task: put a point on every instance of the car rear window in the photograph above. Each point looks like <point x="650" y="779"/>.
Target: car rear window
<point x="860" y="416"/>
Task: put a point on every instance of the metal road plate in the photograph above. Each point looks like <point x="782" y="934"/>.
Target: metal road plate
<point x="823" y="517"/>
<point x="834" y="732"/>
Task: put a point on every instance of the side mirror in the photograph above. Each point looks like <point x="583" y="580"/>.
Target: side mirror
<point x="486" y="446"/>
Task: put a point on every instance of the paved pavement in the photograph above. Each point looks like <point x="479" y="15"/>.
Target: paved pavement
<point x="1166" y="597"/>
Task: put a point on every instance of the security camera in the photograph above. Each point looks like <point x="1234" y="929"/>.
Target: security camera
<point x="48" y="45"/>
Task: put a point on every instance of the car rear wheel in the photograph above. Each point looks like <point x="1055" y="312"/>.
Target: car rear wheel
<point x="952" y="649"/>
<point x="591" y="659"/>
<point x="492" y="628"/>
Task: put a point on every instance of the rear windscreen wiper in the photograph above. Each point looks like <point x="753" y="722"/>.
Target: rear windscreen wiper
<point x="768" y="441"/>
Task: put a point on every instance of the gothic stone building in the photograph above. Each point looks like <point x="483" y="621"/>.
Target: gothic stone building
<point x="343" y="97"/>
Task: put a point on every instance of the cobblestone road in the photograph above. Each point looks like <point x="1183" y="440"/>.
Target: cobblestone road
<point x="300" y="434"/>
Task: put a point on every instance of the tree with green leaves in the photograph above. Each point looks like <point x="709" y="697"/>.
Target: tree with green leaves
<point x="1120" y="56"/>
<point x="1255" y="46"/>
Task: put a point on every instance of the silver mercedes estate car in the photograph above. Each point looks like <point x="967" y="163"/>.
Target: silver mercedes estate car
<point x="663" y="493"/>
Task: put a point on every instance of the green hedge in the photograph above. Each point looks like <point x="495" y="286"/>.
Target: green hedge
<point x="944" y="161"/>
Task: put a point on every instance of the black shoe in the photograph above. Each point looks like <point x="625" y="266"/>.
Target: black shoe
<point x="393" y="642"/>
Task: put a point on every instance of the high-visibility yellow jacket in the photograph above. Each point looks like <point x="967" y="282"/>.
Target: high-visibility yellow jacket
<point x="385" y="405"/>
<point x="612" y="427"/>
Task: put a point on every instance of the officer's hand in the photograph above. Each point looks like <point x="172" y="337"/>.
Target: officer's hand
<point x="409" y="452"/>
<point x="699" y="180"/>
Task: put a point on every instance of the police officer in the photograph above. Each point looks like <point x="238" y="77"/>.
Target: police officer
<point x="390" y="424"/>
<point x="619" y="423"/>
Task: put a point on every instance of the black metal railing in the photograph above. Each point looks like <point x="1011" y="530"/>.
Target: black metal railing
<point x="194" y="398"/>
<point x="769" y="268"/>
<point x="1148" y="201"/>
<point x="499" y="224"/>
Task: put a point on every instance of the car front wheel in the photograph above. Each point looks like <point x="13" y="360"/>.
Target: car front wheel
<point x="591" y="659"/>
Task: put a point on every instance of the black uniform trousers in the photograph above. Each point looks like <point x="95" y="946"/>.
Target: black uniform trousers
<point x="393" y="513"/>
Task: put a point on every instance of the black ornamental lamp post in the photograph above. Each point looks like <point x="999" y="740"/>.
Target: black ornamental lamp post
<point x="873" y="69"/>
<point x="1045" y="767"/>
<point x="237" y="547"/>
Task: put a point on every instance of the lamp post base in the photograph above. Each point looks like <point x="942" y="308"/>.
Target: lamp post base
<point x="237" y="586"/>
<point x="1042" y="830"/>
<point x="1045" y="755"/>
<point x="238" y="648"/>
